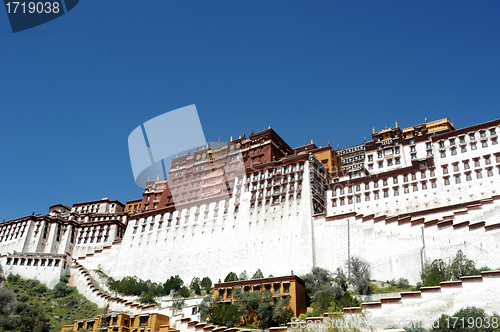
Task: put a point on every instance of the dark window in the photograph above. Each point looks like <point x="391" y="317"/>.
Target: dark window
<point x="143" y="320"/>
<point x="286" y="288"/>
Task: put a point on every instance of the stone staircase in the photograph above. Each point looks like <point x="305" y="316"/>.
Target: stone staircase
<point x="190" y="325"/>
<point x="99" y="294"/>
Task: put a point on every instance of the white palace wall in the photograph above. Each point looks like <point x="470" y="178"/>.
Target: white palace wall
<point x="274" y="238"/>
<point x="394" y="250"/>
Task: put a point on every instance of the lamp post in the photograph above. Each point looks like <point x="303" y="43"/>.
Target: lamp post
<point x="348" y="251"/>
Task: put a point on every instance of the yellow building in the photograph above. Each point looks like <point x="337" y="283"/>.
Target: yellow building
<point x="132" y="207"/>
<point x="117" y="322"/>
<point x="328" y="157"/>
<point x="287" y="286"/>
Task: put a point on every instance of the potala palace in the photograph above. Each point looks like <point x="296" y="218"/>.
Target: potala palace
<point x="406" y="196"/>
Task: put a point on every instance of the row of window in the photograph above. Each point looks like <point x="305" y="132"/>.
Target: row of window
<point x="11" y="236"/>
<point x="178" y="220"/>
<point x="390" y="162"/>
<point x="413" y="187"/>
<point x="385" y="182"/>
<point x="202" y="167"/>
<point x="276" y="289"/>
<point x="386" y="152"/>
<point x="472" y="138"/>
<point x="12" y="226"/>
<point x="11" y="230"/>
<point x="277" y="190"/>
<point x="466" y="164"/>
<point x="456" y="167"/>
<point x="33" y="261"/>
<point x="91" y="239"/>
<point x="275" y="181"/>
<point x="276" y="200"/>
<point x="463" y="148"/>
<point x="271" y="172"/>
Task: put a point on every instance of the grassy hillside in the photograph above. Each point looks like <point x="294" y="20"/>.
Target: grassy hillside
<point x="28" y="305"/>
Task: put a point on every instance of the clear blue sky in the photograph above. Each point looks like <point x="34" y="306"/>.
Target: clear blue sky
<point x="72" y="90"/>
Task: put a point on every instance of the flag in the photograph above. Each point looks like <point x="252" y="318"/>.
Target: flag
<point x="218" y="142"/>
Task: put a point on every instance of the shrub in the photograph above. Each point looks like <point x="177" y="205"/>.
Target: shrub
<point x="184" y="292"/>
<point x="61" y="290"/>
<point x="403" y="283"/>
<point x="13" y="278"/>
<point x="72" y="301"/>
<point x="40" y="289"/>
<point x="23" y="298"/>
<point x="7" y="300"/>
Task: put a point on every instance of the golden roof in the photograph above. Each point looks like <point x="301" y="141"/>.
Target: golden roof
<point x="438" y="122"/>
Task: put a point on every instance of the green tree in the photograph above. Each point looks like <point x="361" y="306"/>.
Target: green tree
<point x="178" y="304"/>
<point x="258" y="274"/>
<point x="243" y="275"/>
<point x="434" y="273"/>
<point x="247" y="304"/>
<point x="437" y="271"/>
<point x="224" y="314"/>
<point x="345" y="300"/>
<point x="206" y="307"/>
<point x="317" y="281"/>
<point x="218" y="313"/>
<point x="325" y="301"/>
<point x="195" y="285"/>
<point x="184" y="292"/>
<point x="174" y="283"/>
<point x="148" y="297"/>
<point x="360" y="272"/>
<point x="341" y="279"/>
<point x="282" y="313"/>
<point x="461" y="266"/>
<point x="206" y="284"/>
<point x="231" y="277"/>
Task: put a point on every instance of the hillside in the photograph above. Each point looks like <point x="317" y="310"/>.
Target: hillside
<point x="28" y="305"/>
